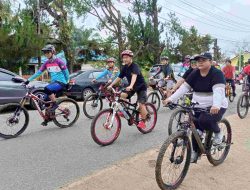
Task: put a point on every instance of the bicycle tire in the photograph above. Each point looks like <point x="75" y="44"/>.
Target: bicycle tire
<point x="14" y="107"/>
<point x="60" y="101"/>
<point x="155" y="99"/>
<point x="90" y="98"/>
<point x="227" y="148"/>
<point x="242" y="96"/>
<point x="159" y="161"/>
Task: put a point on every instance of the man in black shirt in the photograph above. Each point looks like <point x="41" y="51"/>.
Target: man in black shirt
<point x="166" y="67"/>
<point x="136" y="82"/>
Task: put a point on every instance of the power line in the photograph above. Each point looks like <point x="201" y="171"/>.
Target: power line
<point x="207" y="19"/>
<point x="218" y="27"/>
<point x="218" y="17"/>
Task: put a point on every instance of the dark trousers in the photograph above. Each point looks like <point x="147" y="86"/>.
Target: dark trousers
<point x="205" y="121"/>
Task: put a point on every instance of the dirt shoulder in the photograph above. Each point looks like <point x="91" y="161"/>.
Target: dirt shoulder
<point x="137" y="172"/>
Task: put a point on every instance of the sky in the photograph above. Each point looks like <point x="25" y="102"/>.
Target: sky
<point x="226" y="20"/>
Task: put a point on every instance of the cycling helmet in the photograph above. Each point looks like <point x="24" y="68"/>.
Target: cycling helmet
<point x="127" y="52"/>
<point x="111" y="59"/>
<point x="50" y="48"/>
<point x="164" y="58"/>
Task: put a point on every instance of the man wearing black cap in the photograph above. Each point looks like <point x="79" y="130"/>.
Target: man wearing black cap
<point x="208" y="84"/>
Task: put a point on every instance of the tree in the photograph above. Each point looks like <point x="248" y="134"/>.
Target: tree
<point x="144" y="34"/>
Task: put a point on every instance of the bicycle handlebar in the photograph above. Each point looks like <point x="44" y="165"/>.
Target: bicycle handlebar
<point x="188" y="108"/>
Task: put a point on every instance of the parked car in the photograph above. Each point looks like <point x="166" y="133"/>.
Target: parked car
<point x="82" y="85"/>
<point x="11" y="90"/>
<point x="177" y="70"/>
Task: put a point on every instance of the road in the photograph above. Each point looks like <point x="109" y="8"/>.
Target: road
<point x="45" y="158"/>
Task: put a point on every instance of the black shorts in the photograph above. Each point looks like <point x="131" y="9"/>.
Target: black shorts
<point x="141" y="95"/>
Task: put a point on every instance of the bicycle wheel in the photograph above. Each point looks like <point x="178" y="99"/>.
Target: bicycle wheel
<point x="154" y="98"/>
<point x="67" y="113"/>
<point x="92" y="105"/>
<point x="242" y="106"/>
<point x="14" y="120"/>
<point x="173" y="161"/>
<point x="177" y="120"/>
<point x="217" y="154"/>
<point x="151" y="119"/>
<point x="105" y="127"/>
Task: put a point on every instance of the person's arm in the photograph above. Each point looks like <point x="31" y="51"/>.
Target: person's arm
<point x="66" y="74"/>
<point x="133" y="80"/>
<point x="38" y="73"/>
<point x="102" y="74"/>
<point x="64" y="69"/>
<point x="180" y="92"/>
<point x="218" y="95"/>
<point x="118" y="79"/>
<point x="178" y="84"/>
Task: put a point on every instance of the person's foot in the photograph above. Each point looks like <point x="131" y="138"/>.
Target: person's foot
<point x="234" y="94"/>
<point x="141" y="124"/>
<point x="218" y="137"/>
<point x="194" y="157"/>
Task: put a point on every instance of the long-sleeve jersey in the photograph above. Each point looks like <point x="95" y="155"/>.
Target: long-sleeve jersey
<point x="57" y="70"/>
<point x="112" y="74"/>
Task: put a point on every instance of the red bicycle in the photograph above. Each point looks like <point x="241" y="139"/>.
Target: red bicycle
<point x="14" y="117"/>
<point x="106" y="126"/>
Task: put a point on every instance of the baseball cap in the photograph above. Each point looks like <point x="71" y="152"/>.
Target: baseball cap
<point x="205" y="55"/>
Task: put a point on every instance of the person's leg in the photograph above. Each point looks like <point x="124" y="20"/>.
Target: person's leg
<point x="142" y="99"/>
<point x="233" y="87"/>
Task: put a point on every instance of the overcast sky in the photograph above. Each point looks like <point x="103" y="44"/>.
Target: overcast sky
<point x="226" y="20"/>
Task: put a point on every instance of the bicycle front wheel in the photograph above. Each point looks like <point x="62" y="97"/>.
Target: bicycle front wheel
<point x="178" y="119"/>
<point x="67" y="113"/>
<point x="14" y="120"/>
<point x="242" y="106"/>
<point x="154" y="98"/>
<point x="92" y="105"/>
<point x="105" y="127"/>
<point x="173" y="161"/>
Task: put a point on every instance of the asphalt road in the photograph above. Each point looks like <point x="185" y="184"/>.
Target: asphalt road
<point x="46" y="158"/>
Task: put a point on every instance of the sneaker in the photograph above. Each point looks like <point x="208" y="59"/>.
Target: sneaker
<point x="234" y="94"/>
<point x="194" y="157"/>
<point x="218" y="137"/>
<point x="141" y="124"/>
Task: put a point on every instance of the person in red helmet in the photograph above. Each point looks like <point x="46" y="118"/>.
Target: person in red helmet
<point x="111" y="71"/>
<point x="136" y="82"/>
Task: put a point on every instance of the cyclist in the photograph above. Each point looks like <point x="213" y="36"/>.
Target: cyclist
<point x="229" y="73"/>
<point x="112" y="71"/>
<point x="208" y="84"/>
<point x="186" y="64"/>
<point x="193" y="65"/>
<point x="136" y="82"/>
<point x="245" y="71"/>
<point x="59" y="75"/>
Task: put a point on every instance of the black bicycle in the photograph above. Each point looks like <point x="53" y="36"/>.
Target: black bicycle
<point x="243" y="101"/>
<point x="174" y="156"/>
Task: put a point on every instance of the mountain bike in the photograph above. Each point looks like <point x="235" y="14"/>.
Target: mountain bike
<point x="243" y="101"/>
<point x="106" y="126"/>
<point x="15" y="118"/>
<point x="174" y="156"/>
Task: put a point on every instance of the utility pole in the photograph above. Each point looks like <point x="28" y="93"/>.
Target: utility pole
<point x="216" y="50"/>
<point x="38" y="26"/>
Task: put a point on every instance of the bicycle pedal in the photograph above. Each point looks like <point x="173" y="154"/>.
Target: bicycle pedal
<point x="44" y="123"/>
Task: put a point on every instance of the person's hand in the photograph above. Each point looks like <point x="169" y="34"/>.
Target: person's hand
<point x="129" y="88"/>
<point x="94" y="80"/>
<point x="214" y="110"/>
<point x="109" y="87"/>
<point x="166" y="101"/>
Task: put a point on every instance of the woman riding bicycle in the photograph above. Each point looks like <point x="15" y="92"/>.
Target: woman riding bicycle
<point x="58" y="72"/>
<point x="208" y="84"/>
<point x="136" y="81"/>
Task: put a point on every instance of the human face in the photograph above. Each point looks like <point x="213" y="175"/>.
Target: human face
<point x="193" y="64"/>
<point x="227" y="63"/>
<point x="203" y="64"/>
<point x="127" y="59"/>
<point x="48" y="54"/>
<point x="164" y="61"/>
<point x="111" y="64"/>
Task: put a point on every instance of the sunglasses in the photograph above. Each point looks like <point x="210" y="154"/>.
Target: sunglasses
<point x="46" y="52"/>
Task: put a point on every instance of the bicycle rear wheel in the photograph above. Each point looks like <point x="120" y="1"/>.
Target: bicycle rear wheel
<point x="92" y="105"/>
<point x="14" y="120"/>
<point x="173" y="161"/>
<point x="67" y="113"/>
<point x="105" y="127"/>
<point x="243" y="106"/>
<point x="217" y="154"/>
<point x="154" y="98"/>
<point x="151" y="119"/>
